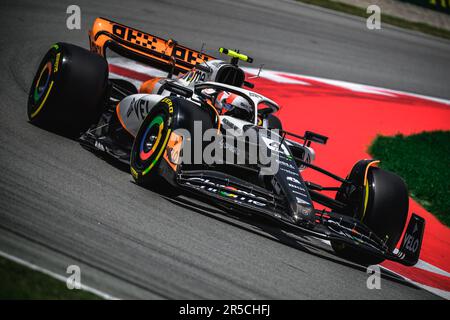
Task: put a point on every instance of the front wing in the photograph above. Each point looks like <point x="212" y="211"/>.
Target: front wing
<point x="232" y="192"/>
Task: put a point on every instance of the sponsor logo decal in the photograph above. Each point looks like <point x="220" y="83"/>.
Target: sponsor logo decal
<point x="134" y="173"/>
<point x="148" y="41"/>
<point x="412" y="242"/>
<point x="299" y="193"/>
<point x="296" y="187"/>
<point x="288" y="171"/>
<point x="276" y="146"/>
<point x="55" y="67"/>
<point x="285" y="164"/>
<point x="294" y="180"/>
<point x="227" y="191"/>
<point x="140" y="107"/>
<point x="301" y="201"/>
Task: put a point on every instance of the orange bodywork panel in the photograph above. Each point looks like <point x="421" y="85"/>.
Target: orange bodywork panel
<point x="149" y="85"/>
<point x="173" y="150"/>
<point x="139" y="45"/>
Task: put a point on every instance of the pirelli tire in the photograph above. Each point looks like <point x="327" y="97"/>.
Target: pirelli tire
<point x="68" y="90"/>
<point x="386" y="214"/>
<point x="150" y="144"/>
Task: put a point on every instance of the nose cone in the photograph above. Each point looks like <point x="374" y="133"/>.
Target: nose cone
<point x="302" y="212"/>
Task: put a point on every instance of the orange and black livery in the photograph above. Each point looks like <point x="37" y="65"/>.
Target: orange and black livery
<point x="159" y="131"/>
<point x="165" y="54"/>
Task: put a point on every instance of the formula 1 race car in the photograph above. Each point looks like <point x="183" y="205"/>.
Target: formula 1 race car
<point x="171" y="127"/>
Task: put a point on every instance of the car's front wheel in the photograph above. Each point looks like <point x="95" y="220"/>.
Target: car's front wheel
<point x="384" y="209"/>
<point x="157" y="138"/>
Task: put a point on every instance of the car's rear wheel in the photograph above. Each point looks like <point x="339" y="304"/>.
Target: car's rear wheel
<point x="68" y="90"/>
<point x="385" y="213"/>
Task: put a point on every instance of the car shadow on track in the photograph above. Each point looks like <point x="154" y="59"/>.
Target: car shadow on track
<point x="265" y="227"/>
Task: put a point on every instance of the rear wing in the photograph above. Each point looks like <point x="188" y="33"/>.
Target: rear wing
<point x="163" y="54"/>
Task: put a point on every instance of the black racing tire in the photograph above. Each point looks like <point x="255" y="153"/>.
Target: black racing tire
<point x="274" y="122"/>
<point x="152" y="138"/>
<point x="386" y="214"/>
<point x="68" y="90"/>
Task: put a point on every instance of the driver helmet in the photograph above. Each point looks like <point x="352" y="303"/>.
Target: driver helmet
<point x="226" y="103"/>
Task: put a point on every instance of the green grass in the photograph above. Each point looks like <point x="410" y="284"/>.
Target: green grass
<point x="423" y="160"/>
<point x="19" y="282"/>
<point x="385" y="18"/>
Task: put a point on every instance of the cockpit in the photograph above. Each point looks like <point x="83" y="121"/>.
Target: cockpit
<point x="237" y="102"/>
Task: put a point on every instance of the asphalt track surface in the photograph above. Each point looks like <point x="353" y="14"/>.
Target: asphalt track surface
<point x="62" y="205"/>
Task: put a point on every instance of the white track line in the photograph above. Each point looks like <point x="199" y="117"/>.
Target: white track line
<point x="136" y="66"/>
<point x="441" y="293"/>
<point x="430" y="268"/>
<point x="421" y="265"/>
<point x="276" y="75"/>
<point x="56" y="276"/>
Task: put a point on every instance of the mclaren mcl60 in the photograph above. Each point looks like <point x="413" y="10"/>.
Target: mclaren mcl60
<point x="150" y="128"/>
